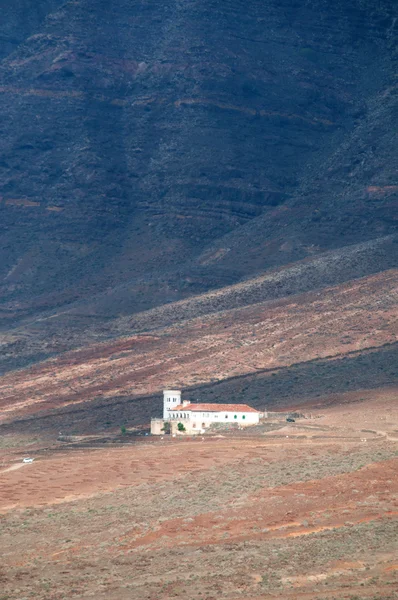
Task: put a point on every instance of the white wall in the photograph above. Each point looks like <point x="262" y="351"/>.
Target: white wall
<point x="171" y="399"/>
<point x="242" y="419"/>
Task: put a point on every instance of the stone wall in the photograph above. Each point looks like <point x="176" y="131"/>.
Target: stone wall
<point x="157" y="426"/>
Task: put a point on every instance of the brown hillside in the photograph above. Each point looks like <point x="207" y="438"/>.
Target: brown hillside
<point x="261" y="339"/>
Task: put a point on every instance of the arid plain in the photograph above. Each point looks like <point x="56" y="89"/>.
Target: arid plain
<point x="301" y="510"/>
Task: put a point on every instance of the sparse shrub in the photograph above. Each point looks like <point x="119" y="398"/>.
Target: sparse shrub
<point x="166" y="428"/>
<point x="123" y="430"/>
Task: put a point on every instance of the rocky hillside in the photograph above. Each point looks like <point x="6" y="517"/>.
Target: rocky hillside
<point x="152" y="153"/>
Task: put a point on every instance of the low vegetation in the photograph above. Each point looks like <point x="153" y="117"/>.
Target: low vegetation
<point x="232" y="517"/>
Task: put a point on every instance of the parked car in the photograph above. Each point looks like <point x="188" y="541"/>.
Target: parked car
<point x="290" y="420"/>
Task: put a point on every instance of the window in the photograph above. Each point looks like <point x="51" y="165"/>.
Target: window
<point x="235" y="416"/>
<point x="226" y="416"/>
<point x="203" y="425"/>
<point x="243" y="416"/>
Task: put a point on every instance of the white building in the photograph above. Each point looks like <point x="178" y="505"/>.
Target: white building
<point x="191" y="417"/>
<point x="200" y="416"/>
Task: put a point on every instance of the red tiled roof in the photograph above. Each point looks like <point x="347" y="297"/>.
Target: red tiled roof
<point x="215" y="408"/>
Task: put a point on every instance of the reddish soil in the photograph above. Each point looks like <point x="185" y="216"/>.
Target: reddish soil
<point x="337" y="322"/>
<point x="239" y="516"/>
<point x="285" y="510"/>
<point x="264" y="515"/>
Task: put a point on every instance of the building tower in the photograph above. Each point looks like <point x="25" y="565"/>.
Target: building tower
<point x="171" y="399"/>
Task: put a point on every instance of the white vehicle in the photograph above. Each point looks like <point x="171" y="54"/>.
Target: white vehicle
<point x="28" y="460"/>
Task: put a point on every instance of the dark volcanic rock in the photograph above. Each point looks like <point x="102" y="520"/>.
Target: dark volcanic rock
<point x="20" y="20"/>
<point x="152" y="150"/>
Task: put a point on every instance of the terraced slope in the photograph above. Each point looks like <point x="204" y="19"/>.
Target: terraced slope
<point x="234" y="352"/>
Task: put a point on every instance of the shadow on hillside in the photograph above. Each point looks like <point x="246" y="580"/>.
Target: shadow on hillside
<point x="297" y="384"/>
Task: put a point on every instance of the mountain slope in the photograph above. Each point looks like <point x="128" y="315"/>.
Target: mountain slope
<point x="314" y="331"/>
<point x="165" y="161"/>
<point x="136" y="134"/>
